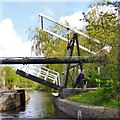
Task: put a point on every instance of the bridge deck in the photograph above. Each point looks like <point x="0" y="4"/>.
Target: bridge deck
<point x="36" y="79"/>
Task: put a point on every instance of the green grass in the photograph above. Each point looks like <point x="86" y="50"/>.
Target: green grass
<point x="94" y="98"/>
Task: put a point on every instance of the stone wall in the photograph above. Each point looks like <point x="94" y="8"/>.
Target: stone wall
<point x="79" y="110"/>
<point x="9" y="101"/>
<point x="13" y="99"/>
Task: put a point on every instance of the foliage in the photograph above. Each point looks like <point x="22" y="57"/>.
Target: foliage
<point x="91" y="72"/>
<point x="47" y="44"/>
<point x="10" y="76"/>
<point x="51" y="46"/>
<point x="108" y="88"/>
<point x="104" y="26"/>
<point x="14" y="80"/>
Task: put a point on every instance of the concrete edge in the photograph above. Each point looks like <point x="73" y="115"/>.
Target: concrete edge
<point x="81" y="110"/>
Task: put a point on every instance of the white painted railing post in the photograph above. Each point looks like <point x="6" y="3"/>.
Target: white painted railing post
<point x="47" y="73"/>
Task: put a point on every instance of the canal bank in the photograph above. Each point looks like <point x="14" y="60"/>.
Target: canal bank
<point x="81" y="110"/>
<point x="11" y="99"/>
<point x="39" y="106"/>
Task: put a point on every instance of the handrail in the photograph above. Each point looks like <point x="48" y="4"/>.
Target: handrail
<point x="47" y="73"/>
<point x="106" y="47"/>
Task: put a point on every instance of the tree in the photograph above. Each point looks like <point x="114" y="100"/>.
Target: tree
<point x="103" y="25"/>
<point x="12" y="79"/>
<point x="49" y="46"/>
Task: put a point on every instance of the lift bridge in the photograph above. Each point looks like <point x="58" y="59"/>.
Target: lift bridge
<point x="41" y="75"/>
<point x="48" y="77"/>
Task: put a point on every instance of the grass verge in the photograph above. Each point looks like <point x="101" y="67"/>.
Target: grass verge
<point x="94" y="98"/>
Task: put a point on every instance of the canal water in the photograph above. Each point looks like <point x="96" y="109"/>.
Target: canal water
<point x="40" y="105"/>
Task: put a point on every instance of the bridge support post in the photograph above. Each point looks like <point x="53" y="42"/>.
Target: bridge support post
<point x="75" y="38"/>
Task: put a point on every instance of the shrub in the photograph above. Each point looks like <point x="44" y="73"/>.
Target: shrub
<point x="109" y="88"/>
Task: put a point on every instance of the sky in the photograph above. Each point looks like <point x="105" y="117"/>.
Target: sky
<point x="18" y="16"/>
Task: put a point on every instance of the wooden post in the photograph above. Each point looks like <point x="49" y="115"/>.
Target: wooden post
<point x="3" y="78"/>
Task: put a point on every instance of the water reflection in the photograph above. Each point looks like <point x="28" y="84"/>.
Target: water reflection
<point x="39" y="106"/>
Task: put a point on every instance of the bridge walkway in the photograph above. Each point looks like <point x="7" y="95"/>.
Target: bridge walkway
<point x="41" y="75"/>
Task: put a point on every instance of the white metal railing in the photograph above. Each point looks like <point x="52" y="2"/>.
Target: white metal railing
<point x="45" y="73"/>
<point x="107" y="48"/>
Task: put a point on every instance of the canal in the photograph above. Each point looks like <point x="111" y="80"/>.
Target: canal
<point x="40" y="105"/>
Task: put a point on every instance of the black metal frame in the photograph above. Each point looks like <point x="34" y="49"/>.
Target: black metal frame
<point x="73" y="40"/>
<point x="44" y="60"/>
